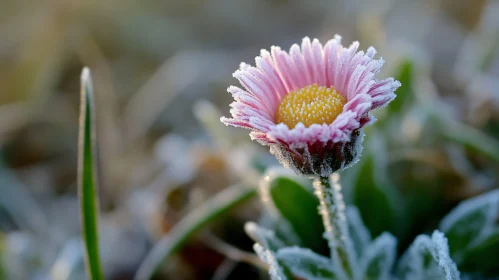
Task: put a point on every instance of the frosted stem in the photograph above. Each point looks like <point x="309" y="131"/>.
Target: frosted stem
<point x="332" y="210"/>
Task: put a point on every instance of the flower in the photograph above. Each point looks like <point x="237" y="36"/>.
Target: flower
<point x="310" y="105"/>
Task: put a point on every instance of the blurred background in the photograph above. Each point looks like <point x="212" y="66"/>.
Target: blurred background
<point x="160" y="71"/>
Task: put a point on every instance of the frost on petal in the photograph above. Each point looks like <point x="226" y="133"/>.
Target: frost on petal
<point x="367" y="120"/>
<point x="257" y="88"/>
<point x="383" y="92"/>
<point x="306" y="264"/>
<point x="306" y="76"/>
<point x="470" y="222"/>
<point x="288" y="68"/>
<point x="331" y="56"/>
<point x="266" y="65"/>
<point x="281" y="65"/>
<point x="261" y="137"/>
<point x="266" y="81"/>
<point x="306" y="49"/>
<point x="320" y="148"/>
<point x="318" y="63"/>
<point x="379" y="257"/>
<point x="361" y="104"/>
<point x="428" y="258"/>
<point x="236" y="123"/>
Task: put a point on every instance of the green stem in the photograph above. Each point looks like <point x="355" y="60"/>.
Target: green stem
<point x="87" y="179"/>
<point x="332" y="210"/>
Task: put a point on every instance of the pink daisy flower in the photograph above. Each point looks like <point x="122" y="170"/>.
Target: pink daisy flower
<point x="310" y="105"/>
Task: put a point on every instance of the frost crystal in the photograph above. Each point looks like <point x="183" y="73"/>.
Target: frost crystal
<point x="379" y="257"/>
<point x="415" y="265"/>
<point x="263" y="236"/>
<point x="275" y="270"/>
<point x="472" y="220"/>
<point x="441" y="255"/>
<point x="308" y="265"/>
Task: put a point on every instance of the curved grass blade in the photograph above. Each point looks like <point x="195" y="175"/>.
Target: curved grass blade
<point x="213" y="208"/>
<point x="469" y="137"/>
<point x="87" y="178"/>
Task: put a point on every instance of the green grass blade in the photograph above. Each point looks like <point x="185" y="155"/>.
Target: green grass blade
<point x="87" y="178"/>
<point x="218" y="205"/>
<point x="470" y="137"/>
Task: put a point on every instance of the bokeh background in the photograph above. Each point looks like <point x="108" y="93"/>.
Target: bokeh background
<point x="160" y="71"/>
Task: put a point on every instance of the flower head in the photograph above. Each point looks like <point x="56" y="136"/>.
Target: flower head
<point x="310" y="105"/>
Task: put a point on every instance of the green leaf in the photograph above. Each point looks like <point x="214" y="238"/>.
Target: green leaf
<point x="469" y="221"/>
<point x="482" y="257"/>
<point x="293" y="201"/>
<point x="372" y="201"/>
<point x="379" y="257"/>
<point x="87" y="178"/>
<point x="212" y="209"/>
<point x="358" y="232"/>
<point x="372" y="193"/>
<point x="404" y="74"/>
<point x="428" y="258"/>
<point x="473" y="233"/>
<point x="306" y="264"/>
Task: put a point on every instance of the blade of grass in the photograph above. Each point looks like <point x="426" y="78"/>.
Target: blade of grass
<point x="87" y="178"/>
<point x="218" y="205"/>
<point x="469" y="137"/>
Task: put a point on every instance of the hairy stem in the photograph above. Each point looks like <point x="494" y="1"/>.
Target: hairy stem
<point x="332" y="210"/>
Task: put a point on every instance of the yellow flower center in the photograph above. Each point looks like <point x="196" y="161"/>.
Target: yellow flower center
<point x="309" y="105"/>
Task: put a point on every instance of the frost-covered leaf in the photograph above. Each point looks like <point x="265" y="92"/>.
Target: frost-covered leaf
<point x="263" y="236"/>
<point x="289" y="197"/>
<point x="306" y="264"/>
<point x="358" y="232"/>
<point x="378" y="258"/>
<point x="482" y="257"/>
<point x="428" y="258"/>
<point x="276" y="271"/>
<point x="265" y="247"/>
<point x="470" y="221"/>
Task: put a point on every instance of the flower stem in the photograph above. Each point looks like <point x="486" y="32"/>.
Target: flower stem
<point x="332" y="210"/>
